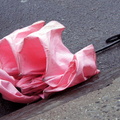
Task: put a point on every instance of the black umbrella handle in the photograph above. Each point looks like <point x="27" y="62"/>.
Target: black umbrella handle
<point x="113" y="40"/>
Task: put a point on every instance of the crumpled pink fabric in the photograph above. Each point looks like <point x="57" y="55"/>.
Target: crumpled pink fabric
<point x="35" y="60"/>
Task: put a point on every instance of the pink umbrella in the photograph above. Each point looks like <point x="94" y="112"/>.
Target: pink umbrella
<point x="35" y="60"/>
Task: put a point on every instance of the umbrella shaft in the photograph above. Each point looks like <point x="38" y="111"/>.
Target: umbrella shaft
<point x="108" y="46"/>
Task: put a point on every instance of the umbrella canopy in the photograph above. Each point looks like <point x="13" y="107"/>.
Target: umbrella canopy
<point x="34" y="63"/>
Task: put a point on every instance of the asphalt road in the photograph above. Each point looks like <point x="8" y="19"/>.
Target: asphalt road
<point x="87" y="22"/>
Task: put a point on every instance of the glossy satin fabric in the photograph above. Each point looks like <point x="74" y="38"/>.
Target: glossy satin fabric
<point x="35" y="60"/>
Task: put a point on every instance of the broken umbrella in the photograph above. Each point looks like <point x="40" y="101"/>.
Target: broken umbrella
<point x="34" y="63"/>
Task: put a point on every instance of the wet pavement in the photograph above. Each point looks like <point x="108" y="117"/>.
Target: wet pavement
<point x="103" y="104"/>
<point x="86" y="22"/>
